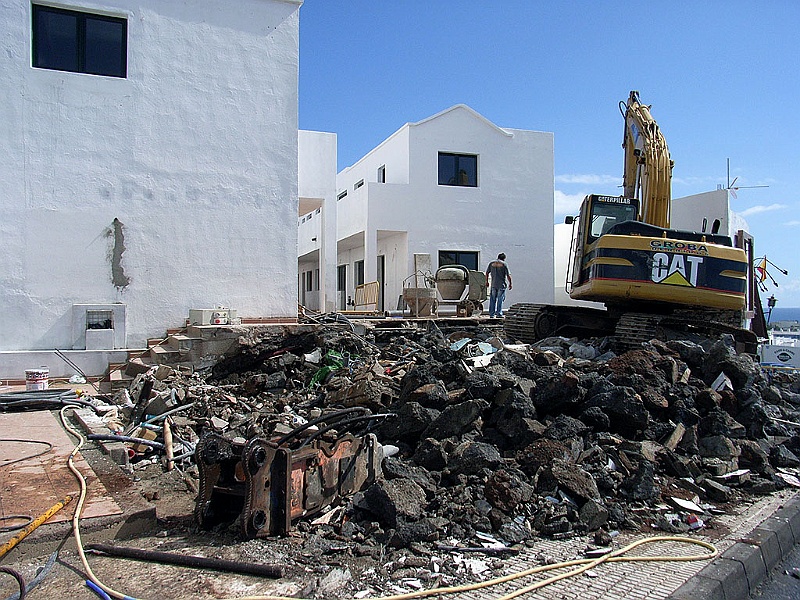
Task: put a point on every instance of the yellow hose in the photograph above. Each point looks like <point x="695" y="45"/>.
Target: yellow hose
<point x="79" y="508"/>
<point x="585" y="565"/>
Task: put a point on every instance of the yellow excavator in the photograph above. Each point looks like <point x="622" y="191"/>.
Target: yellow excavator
<point x="654" y="281"/>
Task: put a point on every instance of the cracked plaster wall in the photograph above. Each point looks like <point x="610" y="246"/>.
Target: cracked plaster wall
<point x="171" y="189"/>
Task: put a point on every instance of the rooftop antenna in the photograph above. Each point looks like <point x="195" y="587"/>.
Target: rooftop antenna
<point x="733" y="189"/>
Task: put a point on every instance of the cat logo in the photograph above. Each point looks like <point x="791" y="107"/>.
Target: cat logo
<point x="675" y="269"/>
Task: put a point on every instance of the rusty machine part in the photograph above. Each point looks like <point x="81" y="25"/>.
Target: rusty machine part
<point x="267" y="485"/>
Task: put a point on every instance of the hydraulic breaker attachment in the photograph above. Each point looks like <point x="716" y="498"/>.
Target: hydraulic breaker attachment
<point x="267" y="485"/>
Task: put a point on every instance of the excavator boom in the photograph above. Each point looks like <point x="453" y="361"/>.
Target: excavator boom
<point x="648" y="167"/>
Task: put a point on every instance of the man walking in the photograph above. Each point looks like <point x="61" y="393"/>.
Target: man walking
<point x="497" y="273"/>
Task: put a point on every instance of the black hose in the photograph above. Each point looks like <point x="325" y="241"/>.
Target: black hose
<point x="344" y="423"/>
<point x="197" y="562"/>
<point x="41" y="400"/>
<point x="323" y="419"/>
<point x="18" y="577"/>
<point x="8" y="528"/>
<point x="110" y="437"/>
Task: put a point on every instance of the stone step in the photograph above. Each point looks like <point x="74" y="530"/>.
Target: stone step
<point x="162" y="355"/>
<point x="182" y="342"/>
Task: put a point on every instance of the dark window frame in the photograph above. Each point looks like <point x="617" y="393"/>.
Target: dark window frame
<point x="460" y="257"/>
<point x="469" y="168"/>
<point x="82" y="43"/>
<point x="358" y="268"/>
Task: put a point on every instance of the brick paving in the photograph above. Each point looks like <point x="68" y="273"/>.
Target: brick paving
<point x="631" y="580"/>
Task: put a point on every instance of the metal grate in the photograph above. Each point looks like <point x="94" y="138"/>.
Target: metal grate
<point x="99" y="319"/>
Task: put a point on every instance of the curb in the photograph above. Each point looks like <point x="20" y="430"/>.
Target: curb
<point x="736" y="573"/>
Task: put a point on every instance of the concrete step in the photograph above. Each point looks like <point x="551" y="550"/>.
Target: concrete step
<point x="164" y="355"/>
<point x="182" y="342"/>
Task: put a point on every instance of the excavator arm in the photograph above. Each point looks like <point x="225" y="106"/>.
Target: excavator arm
<point x="648" y="167"/>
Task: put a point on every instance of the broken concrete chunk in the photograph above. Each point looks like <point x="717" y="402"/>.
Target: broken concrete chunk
<point x="455" y="420"/>
<point x="593" y="514"/>
<point x="391" y="500"/>
<point x="471" y="457"/>
<point x="717" y="491"/>
<point x="717" y="446"/>
<point x="568" y="477"/>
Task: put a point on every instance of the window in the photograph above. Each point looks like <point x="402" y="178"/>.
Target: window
<point x="342" y="195"/>
<point x="457" y="257"/>
<point x="607" y="211"/>
<point x="68" y="40"/>
<point x="358" y="184"/>
<point x="359" y="272"/>
<point x="382" y="174"/>
<point x="458" y="169"/>
<point x="99" y="319"/>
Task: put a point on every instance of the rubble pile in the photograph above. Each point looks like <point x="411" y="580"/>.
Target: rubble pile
<point x="503" y="442"/>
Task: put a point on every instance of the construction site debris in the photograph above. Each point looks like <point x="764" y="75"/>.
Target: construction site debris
<point x="557" y="439"/>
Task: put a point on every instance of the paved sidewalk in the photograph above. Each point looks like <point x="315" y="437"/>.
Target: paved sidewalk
<point x="751" y="541"/>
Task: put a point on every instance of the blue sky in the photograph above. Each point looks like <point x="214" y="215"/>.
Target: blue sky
<point x="722" y="77"/>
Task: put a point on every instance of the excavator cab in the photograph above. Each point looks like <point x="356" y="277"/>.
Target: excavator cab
<point x="607" y="211"/>
<point x="599" y="214"/>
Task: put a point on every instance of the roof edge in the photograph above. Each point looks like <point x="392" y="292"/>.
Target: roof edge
<point x="470" y="110"/>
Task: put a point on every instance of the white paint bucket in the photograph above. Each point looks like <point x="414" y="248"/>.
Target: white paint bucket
<point x="36" y="379"/>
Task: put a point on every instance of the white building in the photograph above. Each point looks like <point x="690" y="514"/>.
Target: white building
<point x="150" y="166"/>
<point x="453" y="187"/>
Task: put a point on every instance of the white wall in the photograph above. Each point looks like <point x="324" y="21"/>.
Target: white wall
<point x="171" y="189"/>
<point x="688" y="212"/>
<point x="510" y="211"/>
<point x="317" y="186"/>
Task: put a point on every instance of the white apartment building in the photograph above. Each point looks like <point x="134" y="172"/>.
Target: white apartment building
<point x="150" y="167"/>
<point x="454" y="187"/>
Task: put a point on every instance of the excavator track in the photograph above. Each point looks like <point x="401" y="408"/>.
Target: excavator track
<point x="635" y="328"/>
<point x="530" y="323"/>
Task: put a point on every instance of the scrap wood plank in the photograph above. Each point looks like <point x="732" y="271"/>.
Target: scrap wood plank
<point x="34" y="484"/>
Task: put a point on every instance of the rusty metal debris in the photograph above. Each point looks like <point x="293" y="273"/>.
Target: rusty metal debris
<point x="267" y="484"/>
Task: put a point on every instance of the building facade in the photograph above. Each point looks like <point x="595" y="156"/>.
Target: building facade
<point x="150" y="167"/>
<point x="453" y="188"/>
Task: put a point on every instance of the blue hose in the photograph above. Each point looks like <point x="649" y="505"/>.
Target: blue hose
<point x="97" y="590"/>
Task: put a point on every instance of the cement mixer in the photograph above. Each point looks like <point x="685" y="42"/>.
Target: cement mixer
<point x="461" y="287"/>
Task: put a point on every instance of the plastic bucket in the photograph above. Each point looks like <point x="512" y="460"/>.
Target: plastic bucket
<point x="36" y="379"/>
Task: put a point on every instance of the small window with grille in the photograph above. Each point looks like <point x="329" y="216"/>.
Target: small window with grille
<point x="99" y="319"/>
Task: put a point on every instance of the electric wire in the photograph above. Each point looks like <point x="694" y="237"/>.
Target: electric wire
<point x="40" y="575"/>
<point x="583" y="565"/>
<point x="20" y="581"/>
<point x="27" y="520"/>
<point x="67" y="360"/>
<point x="21" y="441"/>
